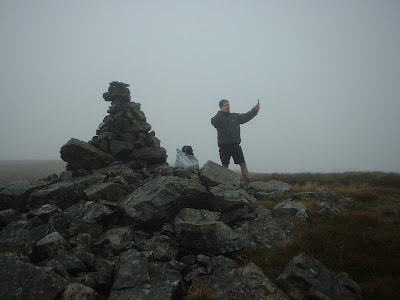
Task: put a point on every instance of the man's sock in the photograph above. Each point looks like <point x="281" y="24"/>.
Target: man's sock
<point x="248" y="180"/>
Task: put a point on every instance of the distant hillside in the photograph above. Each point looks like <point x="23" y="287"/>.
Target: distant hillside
<point x="11" y="170"/>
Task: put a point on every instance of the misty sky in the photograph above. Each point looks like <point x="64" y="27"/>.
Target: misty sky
<point x="327" y="74"/>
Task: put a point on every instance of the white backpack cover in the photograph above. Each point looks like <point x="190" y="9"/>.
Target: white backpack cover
<point x="185" y="161"/>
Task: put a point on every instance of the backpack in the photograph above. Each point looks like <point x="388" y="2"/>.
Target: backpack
<point x="185" y="159"/>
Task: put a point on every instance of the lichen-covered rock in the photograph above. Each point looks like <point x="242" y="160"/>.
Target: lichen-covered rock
<point x="212" y="174"/>
<point x="82" y="155"/>
<point x="288" y="209"/>
<point x="208" y="237"/>
<point x="307" y="278"/>
<point x="65" y="193"/>
<point x="15" y="194"/>
<point x="324" y="196"/>
<point x="77" y="291"/>
<point x="269" y="186"/>
<point x="21" y="280"/>
<point x="160" y="200"/>
<point x="246" y="283"/>
<point x="49" y="246"/>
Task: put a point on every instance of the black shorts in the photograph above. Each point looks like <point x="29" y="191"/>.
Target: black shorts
<point x="231" y="150"/>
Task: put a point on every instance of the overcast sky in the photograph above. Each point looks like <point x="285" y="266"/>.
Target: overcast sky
<point x="327" y="74"/>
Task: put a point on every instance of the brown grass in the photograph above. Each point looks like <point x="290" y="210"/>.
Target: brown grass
<point x="363" y="241"/>
<point x="201" y="292"/>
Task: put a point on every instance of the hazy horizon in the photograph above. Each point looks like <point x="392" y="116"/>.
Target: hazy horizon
<point x="327" y="75"/>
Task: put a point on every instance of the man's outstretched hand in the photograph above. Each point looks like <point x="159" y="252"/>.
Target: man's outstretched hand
<point x="257" y="106"/>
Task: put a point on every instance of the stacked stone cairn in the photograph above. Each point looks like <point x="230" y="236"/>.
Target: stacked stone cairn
<point x="125" y="134"/>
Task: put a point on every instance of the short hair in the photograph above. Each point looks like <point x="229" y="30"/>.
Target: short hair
<point x="222" y="102"/>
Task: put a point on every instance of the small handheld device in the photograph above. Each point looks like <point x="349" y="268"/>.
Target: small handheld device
<point x="258" y="101"/>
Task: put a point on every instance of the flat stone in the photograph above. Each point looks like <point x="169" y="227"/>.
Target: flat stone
<point x="212" y="174"/>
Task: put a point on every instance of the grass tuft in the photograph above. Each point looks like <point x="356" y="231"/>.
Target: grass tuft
<point x="201" y="292"/>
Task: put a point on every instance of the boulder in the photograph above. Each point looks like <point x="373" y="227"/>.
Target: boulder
<point x="15" y="194"/>
<point x="82" y="155"/>
<point x="307" y="278"/>
<point x="326" y="210"/>
<point x="265" y="231"/>
<point x="159" y="200"/>
<point x="65" y="193"/>
<point x="162" y="283"/>
<point x="116" y="236"/>
<point x="77" y="291"/>
<point x="208" y="237"/>
<point x="247" y="283"/>
<point x="288" y="209"/>
<point x="269" y="186"/>
<point x="106" y="191"/>
<point x="21" y="280"/>
<point x="212" y="174"/>
<point x="326" y="195"/>
<point x="196" y="215"/>
<point x="45" y="212"/>
<point x="49" y="246"/>
<point x="7" y="216"/>
<point x="161" y="247"/>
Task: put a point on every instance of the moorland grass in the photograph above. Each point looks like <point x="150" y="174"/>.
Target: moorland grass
<point x="363" y="241"/>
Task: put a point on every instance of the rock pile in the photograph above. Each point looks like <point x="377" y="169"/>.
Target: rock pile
<point x="124" y="135"/>
<point x="108" y="229"/>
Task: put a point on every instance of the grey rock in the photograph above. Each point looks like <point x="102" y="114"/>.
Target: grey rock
<point x="208" y="237"/>
<point x="288" y="209"/>
<point x="217" y="262"/>
<point x="307" y="278"/>
<point x="65" y="193"/>
<point x="71" y="262"/>
<point x="347" y="202"/>
<point x="265" y="231"/>
<point x="159" y="200"/>
<point x="247" y="283"/>
<point x="82" y="155"/>
<point x="195" y="215"/>
<point x="22" y="234"/>
<point x="21" y="280"/>
<point x="77" y="291"/>
<point x="45" y="212"/>
<point x="15" y="194"/>
<point x="232" y="203"/>
<point x="162" y="284"/>
<point x="121" y="170"/>
<point x="119" y="84"/>
<point x="269" y="186"/>
<point x="7" y="216"/>
<point x="90" y="212"/>
<point x="118" y="147"/>
<point x="68" y="227"/>
<point x="326" y="195"/>
<point x="131" y="270"/>
<point x="326" y="210"/>
<point x="162" y="247"/>
<point x="49" y="246"/>
<point x="106" y="191"/>
<point x="116" y="236"/>
<point x="212" y="174"/>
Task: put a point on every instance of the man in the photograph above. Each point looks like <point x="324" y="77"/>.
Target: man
<point x="228" y="127"/>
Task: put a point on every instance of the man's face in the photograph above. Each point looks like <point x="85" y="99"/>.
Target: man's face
<point x="225" y="107"/>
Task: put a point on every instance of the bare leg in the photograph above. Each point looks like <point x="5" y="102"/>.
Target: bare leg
<point x="245" y="172"/>
<point x="226" y="166"/>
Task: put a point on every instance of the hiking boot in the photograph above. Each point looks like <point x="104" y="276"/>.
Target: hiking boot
<point x="248" y="180"/>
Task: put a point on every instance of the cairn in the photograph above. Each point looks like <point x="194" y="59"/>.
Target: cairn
<point x="125" y="134"/>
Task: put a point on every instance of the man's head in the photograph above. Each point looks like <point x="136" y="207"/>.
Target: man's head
<point x="224" y="105"/>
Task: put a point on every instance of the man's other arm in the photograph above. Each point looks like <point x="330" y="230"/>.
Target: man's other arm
<point x="243" y="118"/>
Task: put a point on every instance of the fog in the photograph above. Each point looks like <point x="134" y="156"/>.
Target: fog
<point x="327" y="74"/>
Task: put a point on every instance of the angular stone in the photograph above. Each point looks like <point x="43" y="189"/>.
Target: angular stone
<point x="71" y="263"/>
<point x="65" y="193"/>
<point x="269" y="186"/>
<point x="212" y="174"/>
<point x="22" y="233"/>
<point x="246" y="283"/>
<point x="77" y="291"/>
<point x="7" y="216"/>
<point x="117" y="236"/>
<point x="49" y="246"/>
<point x="307" y="278"/>
<point x="208" y="237"/>
<point x="288" y="209"/>
<point x="91" y="212"/>
<point x="149" y="155"/>
<point x="326" y="195"/>
<point x="21" y="280"/>
<point x="82" y="155"/>
<point x="45" y="212"/>
<point x="326" y="210"/>
<point x="195" y="215"/>
<point x="159" y="200"/>
<point x="15" y="194"/>
<point x="117" y="147"/>
<point x="106" y="191"/>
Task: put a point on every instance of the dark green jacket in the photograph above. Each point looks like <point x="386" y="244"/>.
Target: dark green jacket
<point x="228" y="125"/>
